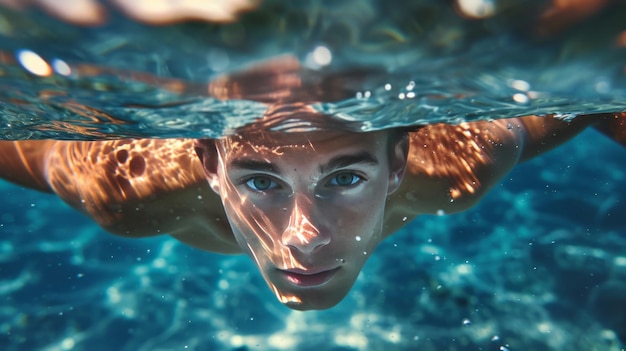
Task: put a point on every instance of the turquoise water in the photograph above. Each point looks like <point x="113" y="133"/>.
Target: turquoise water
<point x="539" y="264"/>
<point x="378" y="63"/>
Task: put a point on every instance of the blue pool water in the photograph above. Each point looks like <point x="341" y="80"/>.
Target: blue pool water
<point x="539" y="264"/>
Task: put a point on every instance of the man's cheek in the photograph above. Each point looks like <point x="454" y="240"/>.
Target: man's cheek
<point x="351" y="218"/>
<point x="255" y="228"/>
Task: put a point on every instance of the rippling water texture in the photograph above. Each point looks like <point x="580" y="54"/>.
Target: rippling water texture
<point x="387" y="63"/>
<point x="539" y="264"/>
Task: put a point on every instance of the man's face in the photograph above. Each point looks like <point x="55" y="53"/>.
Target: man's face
<point x="307" y="207"/>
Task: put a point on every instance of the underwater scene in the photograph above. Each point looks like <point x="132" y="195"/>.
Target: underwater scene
<point x="539" y="263"/>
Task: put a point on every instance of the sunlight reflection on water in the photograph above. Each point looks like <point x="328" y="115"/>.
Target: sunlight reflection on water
<point x="381" y="64"/>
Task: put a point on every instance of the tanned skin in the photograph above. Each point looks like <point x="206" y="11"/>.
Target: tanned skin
<point x="146" y="187"/>
<point x="309" y="208"/>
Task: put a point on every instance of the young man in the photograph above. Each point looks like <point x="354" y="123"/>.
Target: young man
<point x="308" y="207"/>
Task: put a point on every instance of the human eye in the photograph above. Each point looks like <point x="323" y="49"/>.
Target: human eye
<point x="345" y="179"/>
<point x="261" y="183"/>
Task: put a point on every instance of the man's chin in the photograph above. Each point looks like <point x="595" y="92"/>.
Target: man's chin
<point x="314" y="298"/>
<point x="308" y="304"/>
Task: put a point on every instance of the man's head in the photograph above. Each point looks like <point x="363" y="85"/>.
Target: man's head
<point x="307" y="207"/>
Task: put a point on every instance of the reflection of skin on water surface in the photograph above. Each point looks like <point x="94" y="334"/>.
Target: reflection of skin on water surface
<point x="557" y="15"/>
<point x="94" y="12"/>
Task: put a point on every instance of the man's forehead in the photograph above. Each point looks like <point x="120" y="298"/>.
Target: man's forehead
<point x="280" y="142"/>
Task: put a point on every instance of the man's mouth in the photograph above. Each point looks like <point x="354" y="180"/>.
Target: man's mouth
<point x="307" y="279"/>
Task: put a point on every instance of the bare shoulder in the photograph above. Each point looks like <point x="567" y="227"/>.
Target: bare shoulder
<point x="122" y="169"/>
<point x="134" y="187"/>
<point x="450" y="167"/>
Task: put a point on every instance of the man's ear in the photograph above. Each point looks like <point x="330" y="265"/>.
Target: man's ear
<point x="397" y="163"/>
<point x="206" y="149"/>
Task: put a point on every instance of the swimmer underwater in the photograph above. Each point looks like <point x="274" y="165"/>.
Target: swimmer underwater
<point x="309" y="204"/>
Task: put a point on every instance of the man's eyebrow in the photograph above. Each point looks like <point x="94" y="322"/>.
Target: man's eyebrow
<point x="347" y="160"/>
<point x="252" y="164"/>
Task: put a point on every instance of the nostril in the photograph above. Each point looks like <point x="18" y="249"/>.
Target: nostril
<point x="305" y="242"/>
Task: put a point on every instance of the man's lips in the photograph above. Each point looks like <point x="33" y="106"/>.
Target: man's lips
<point x="308" y="278"/>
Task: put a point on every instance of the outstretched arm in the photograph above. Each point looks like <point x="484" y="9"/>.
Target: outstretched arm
<point x="130" y="187"/>
<point x="451" y="167"/>
<point x="22" y="162"/>
<point x="542" y="134"/>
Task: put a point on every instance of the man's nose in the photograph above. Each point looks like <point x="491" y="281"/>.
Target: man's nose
<point x="301" y="233"/>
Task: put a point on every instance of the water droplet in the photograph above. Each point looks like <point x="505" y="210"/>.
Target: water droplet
<point x="466" y="321"/>
<point x="603" y="87"/>
<point x="61" y="67"/>
<point x="520" y="98"/>
<point x="358" y="238"/>
<point x="519" y="84"/>
<point x="387" y="86"/>
<point x="321" y="56"/>
<point x="33" y="63"/>
<point x="476" y="8"/>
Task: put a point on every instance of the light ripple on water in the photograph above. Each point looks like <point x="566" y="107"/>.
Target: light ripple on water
<point x="418" y="63"/>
